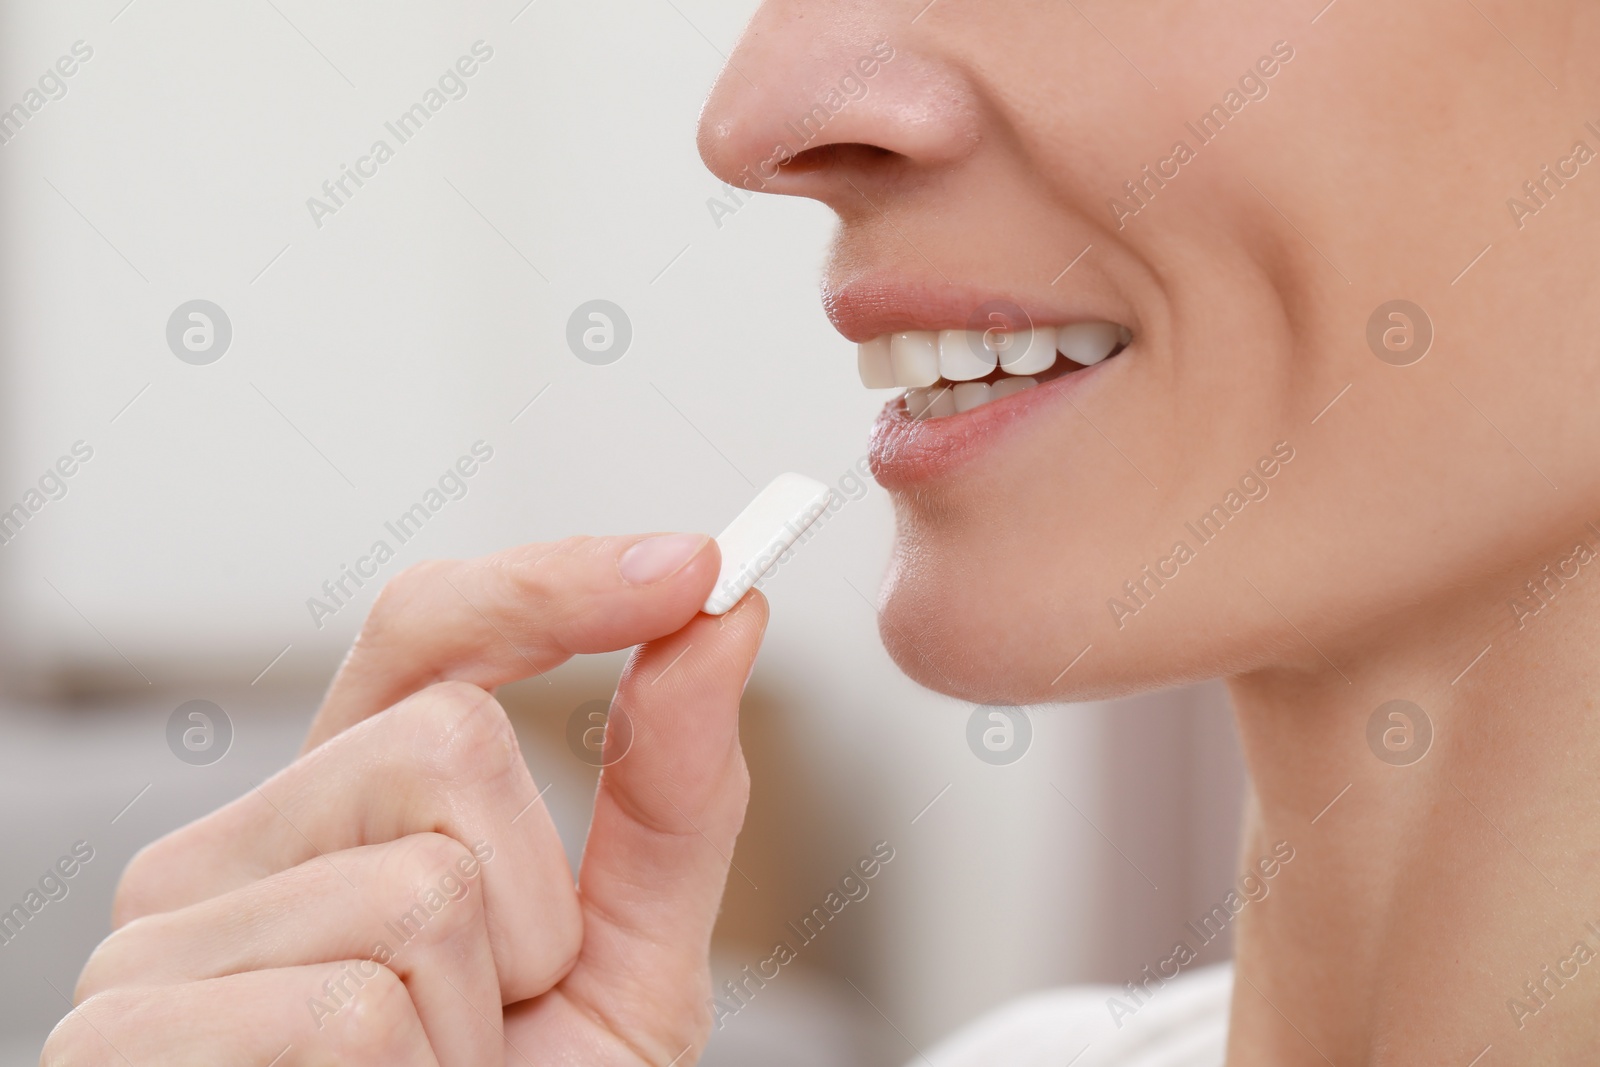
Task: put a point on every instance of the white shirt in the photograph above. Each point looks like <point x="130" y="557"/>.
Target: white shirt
<point x="1184" y="1023"/>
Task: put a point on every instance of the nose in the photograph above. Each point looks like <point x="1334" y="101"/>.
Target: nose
<point x="833" y="101"/>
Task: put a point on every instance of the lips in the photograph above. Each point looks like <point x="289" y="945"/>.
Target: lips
<point x="972" y="366"/>
<point x="906" y="452"/>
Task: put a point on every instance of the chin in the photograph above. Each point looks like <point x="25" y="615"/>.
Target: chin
<point x="956" y="624"/>
<point x="961" y="614"/>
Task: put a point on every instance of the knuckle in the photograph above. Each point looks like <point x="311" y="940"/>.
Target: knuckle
<point x="535" y="575"/>
<point x="396" y="603"/>
<point x="65" y="1045"/>
<point x="693" y="1013"/>
<point x="75" y="1042"/>
<point x="466" y="734"/>
<point x="560" y="945"/>
<point x="412" y="582"/>
<point x="566" y="946"/>
<point x="424" y="857"/>
<point x="113" y="960"/>
<point x="140" y="891"/>
<point x="71" y="1044"/>
<point x="457" y="700"/>
<point x="441" y="898"/>
<point x="377" y="1025"/>
<point x="131" y="898"/>
<point x="567" y="548"/>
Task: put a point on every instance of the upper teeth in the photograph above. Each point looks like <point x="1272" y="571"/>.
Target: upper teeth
<point x="918" y="358"/>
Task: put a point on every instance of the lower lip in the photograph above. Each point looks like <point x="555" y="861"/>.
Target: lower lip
<point x="906" y="452"/>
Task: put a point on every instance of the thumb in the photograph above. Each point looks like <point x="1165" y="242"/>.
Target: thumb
<point x="666" y="817"/>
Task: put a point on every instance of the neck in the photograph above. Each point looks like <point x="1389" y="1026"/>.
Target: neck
<point x="1436" y="908"/>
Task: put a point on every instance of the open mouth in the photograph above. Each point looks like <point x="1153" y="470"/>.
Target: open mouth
<point x="947" y="372"/>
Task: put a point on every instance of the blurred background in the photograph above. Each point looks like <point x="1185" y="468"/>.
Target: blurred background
<point x="250" y="373"/>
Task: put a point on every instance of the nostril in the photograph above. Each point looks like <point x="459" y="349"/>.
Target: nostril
<point x="829" y="156"/>
<point x="844" y="109"/>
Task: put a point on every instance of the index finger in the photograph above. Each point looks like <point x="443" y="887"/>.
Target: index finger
<point x="515" y="615"/>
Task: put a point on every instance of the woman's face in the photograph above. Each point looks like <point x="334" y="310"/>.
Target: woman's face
<point x="1243" y="187"/>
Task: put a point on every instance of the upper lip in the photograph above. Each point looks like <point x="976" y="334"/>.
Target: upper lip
<point x="866" y="308"/>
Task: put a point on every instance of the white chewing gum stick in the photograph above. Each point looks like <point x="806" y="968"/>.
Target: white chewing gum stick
<point x="764" y="531"/>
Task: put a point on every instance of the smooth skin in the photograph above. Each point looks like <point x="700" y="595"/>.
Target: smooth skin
<point x="229" y="932"/>
<point x="1420" y="503"/>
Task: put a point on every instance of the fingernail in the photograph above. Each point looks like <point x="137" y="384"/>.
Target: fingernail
<point x="660" y="557"/>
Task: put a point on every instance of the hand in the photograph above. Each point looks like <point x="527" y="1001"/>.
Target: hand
<point x="397" y="895"/>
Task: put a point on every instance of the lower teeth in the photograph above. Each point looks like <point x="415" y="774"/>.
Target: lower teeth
<point x="944" y="398"/>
